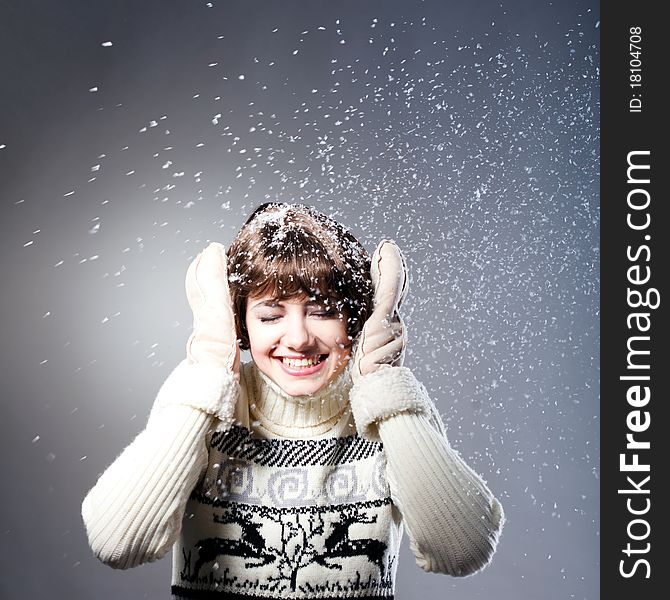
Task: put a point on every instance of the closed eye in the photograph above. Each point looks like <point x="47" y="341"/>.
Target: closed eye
<point x="325" y="314"/>
<point x="271" y="319"/>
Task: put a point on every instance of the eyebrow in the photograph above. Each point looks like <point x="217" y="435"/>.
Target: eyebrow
<point x="265" y="304"/>
<point x="273" y="303"/>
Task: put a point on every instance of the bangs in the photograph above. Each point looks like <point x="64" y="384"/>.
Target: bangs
<point x="296" y="265"/>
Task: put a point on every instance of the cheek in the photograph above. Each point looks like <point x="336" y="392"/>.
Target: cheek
<point x="338" y="338"/>
<point x="341" y="348"/>
<point x="259" y="341"/>
<point x="345" y="353"/>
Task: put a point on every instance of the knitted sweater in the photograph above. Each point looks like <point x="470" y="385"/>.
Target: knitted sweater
<point x="264" y="495"/>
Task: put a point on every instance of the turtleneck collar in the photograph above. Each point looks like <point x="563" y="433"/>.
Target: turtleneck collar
<point x="295" y="416"/>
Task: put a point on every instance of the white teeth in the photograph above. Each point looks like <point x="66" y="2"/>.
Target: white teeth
<point x="300" y="362"/>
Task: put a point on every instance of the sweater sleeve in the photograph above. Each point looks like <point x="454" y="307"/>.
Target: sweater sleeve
<point x="133" y="513"/>
<point x="452" y="519"/>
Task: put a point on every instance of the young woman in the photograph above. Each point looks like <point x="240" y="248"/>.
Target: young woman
<point x="293" y="475"/>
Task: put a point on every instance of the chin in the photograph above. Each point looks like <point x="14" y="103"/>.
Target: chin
<point x="306" y="385"/>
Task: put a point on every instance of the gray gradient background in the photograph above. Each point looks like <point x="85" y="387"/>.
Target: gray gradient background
<point x="466" y="131"/>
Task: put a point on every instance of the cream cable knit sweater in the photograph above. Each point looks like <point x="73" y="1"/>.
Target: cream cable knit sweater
<point x="168" y="482"/>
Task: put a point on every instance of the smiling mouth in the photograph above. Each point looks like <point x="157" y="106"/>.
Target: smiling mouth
<point x="303" y="362"/>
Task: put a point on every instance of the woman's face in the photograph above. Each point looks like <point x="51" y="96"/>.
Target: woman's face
<point x="298" y="343"/>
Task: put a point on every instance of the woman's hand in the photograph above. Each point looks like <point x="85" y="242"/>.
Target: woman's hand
<point x="382" y="341"/>
<point x="213" y="340"/>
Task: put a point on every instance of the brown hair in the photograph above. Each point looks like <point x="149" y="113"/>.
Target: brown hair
<point x="287" y="250"/>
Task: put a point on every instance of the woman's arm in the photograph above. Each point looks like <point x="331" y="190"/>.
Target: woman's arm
<point x="133" y="513"/>
<point x="452" y="518"/>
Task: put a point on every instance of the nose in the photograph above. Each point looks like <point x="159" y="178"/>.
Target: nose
<point x="298" y="335"/>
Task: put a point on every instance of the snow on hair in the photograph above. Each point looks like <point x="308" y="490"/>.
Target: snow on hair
<point x="287" y="250"/>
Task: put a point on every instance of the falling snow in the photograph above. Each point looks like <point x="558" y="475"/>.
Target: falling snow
<point x="477" y="154"/>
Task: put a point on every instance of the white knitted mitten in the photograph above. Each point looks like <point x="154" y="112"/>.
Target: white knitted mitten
<point x="208" y="378"/>
<point x="382" y="386"/>
<point x="382" y="341"/>
<point x="213" y="340"/>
